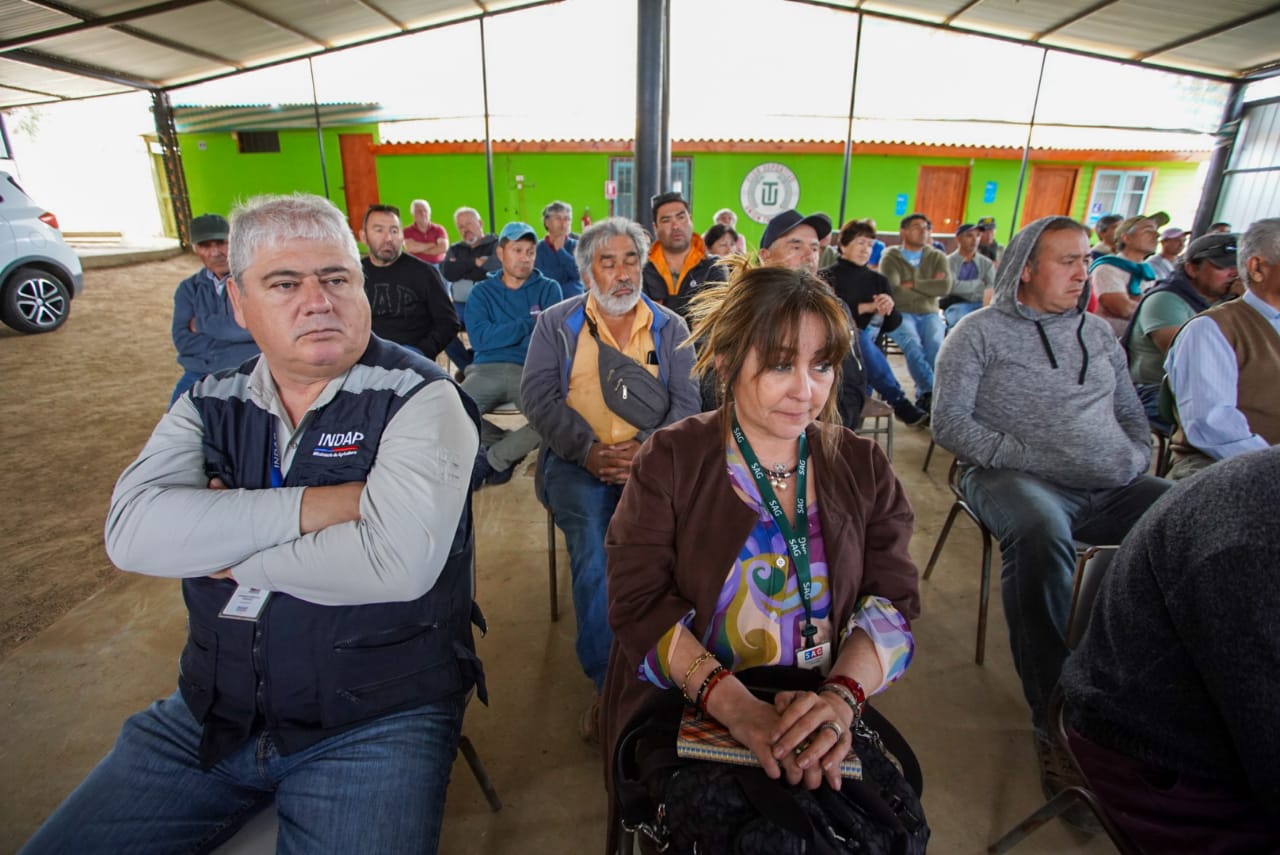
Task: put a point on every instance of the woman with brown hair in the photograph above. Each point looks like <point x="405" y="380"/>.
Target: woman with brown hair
<point x="762" y="533"/>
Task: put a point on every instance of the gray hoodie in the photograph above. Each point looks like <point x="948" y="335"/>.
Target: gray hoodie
<point x="1047" y="394"/>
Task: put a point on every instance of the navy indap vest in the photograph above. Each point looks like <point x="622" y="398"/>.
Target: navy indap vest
<point x="305" y="671"/>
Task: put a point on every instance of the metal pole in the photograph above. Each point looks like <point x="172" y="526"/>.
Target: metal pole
<point x="848" y="141"/>
<point x="1220" y="159"/>
<point x="488" y="140"/>
<point x="315" y="105"/>
<point x="664" y="130"/>
<point x="172" y="157"/>
<point x="649" y="108"/>
<point x="1026" y="149"/>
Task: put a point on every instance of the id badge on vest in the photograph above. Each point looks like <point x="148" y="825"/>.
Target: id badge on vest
<point x="246" y="603"/>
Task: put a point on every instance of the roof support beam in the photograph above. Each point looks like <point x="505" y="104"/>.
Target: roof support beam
<point x="33" y="92"/>
<point x="279" y="24"/>
<point x="957" y="13"/>
<point x="1078" y="16"/>
<point x="382" y="13"/>
<point x="88" y="21"/>
<point x="81" y="69"/>
<point x="1212" y="31"/>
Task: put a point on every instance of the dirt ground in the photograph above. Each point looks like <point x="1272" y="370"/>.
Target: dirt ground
<point x="77" y="405"/>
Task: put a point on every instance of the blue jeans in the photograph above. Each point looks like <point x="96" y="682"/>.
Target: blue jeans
<point x="1037" y="523"/>
<point x="920" y="336"/>
<point x="185" y="382"/>
<point x="583" y="505"/>
<point x="377" y="788"/>
<point x="953" y="313"/>
<point x="879" y="374"/>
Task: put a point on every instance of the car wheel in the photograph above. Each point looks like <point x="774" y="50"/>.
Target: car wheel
<point x="34" y="301"/>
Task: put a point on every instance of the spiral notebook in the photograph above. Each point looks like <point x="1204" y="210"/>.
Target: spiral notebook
<point x="707" y="739"/>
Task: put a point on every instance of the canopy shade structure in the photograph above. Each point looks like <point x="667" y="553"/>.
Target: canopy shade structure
<point x="55" y="51"/>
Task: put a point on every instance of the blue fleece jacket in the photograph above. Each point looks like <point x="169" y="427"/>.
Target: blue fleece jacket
<point x="218" y="342"/>
<point x="560" y="265"/>
<point x="500" y="320"/>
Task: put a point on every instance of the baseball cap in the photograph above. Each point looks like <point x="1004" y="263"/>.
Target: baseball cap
<point x="984" y="223"/>
<point x="909" y="218"/>
<point x="967" y="227"/>
<point x="516" y="231"/>
<point x="1219" y="249"/>
<point x="789" y="220"/>
<point x="1172" y="234"/>
<point x="661" y="199"/>
<point x="1160" y="217"/>
<point x="209" y="227"/>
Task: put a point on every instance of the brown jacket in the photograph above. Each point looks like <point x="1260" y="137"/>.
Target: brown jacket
<point x="679" y="527"/>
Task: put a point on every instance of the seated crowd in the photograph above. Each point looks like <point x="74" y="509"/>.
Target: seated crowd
<point x="694" y="409"/>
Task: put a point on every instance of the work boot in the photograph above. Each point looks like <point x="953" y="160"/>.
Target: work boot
<point x="910" y="414"/>
<point x="1057" y="772"/>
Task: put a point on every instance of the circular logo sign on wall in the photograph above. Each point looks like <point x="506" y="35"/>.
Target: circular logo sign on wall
<point x="768" y="190"/>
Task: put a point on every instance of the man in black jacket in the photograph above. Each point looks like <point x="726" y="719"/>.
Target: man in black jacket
<point x="409" y="300"/>
<point x="469" y="261"/>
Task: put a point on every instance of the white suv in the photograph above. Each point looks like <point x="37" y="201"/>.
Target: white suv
<point x="39" y="273"/>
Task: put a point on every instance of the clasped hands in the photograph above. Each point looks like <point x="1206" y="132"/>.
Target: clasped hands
<point x="793" y="735"/>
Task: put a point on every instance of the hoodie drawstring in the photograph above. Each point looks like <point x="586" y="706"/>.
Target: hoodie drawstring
<point x="1044" y="339"/>
<point x="1084" y="367"/>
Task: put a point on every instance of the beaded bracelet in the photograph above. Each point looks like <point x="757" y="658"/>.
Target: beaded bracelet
<point x="843" y="694"/>
<point x="849" y="691"/>
<point x="719" y="669"/>
<point x="705" y="698"/>
<point x="854" y="687"/>
<point x="684" y="687"/>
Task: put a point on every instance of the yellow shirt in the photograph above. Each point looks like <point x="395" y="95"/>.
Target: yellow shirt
<point x="585" y="395"/>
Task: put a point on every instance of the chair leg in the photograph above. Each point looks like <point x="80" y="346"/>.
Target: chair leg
<point x="984" y="599"/>
<point x="928" y="455"/>
<point x="942" y="538"/>
<point x="1050" y="809"/>
<point x="889" y="439"/>
<point x="482" y="777"/>
<point x="551" y="567"/>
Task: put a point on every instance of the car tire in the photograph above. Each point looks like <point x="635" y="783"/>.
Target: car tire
<point x="34" y="301"/>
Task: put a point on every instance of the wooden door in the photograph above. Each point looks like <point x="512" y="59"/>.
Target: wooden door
<point x="359" y="177"/>
<point x="1050" y="192"/>
<point x="941" y="193"/>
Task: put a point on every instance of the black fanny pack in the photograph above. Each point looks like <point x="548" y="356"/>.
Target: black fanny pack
<point x="630" y="391"/>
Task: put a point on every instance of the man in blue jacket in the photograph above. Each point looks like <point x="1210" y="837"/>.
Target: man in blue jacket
<point x="586" y="457"/>
<point x="501" y="313"/>
<point x="205" y="333"/>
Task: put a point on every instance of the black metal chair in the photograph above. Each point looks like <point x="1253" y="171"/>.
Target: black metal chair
<point x="1091" y="568"/>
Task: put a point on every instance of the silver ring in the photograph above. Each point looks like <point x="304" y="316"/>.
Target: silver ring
<point x="834" y="727"/>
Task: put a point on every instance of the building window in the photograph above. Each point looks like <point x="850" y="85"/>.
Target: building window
<point x="1118" y="192"/>
<point x="622" y="171"/>
<point x="258" y="142"/>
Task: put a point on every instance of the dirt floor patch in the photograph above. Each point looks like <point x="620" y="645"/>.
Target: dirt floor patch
<point x="77" y="405"/>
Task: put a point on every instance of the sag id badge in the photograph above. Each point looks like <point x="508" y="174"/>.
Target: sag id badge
<point x="816" y="658"/>
<point x="246" y="603"/>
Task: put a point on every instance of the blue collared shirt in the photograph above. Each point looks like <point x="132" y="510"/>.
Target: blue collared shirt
<point x="1203" y="375"/>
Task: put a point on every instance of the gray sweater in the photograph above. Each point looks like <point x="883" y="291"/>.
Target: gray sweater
<point x="1178" y="667"/>
<point x="1047" y="394"/>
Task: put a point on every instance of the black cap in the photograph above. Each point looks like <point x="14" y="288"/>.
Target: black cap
<point x="909" y="218"/>
<point x="209" y="227"/>
<point x="967" y="227"/>
<point x="665" y="198"/>
<point x="1219" y="249"/>
<point x="789" y="220"/>
<point x="986" y="223"/>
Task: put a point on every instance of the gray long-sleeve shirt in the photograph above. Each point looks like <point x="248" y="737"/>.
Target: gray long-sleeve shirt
<point x="165" y="521"/>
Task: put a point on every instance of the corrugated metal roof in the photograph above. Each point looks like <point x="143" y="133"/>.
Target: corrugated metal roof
<point x="171" y="42"/>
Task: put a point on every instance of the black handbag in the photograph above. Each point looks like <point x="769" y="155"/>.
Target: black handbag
<point x="629" y="389"/>
<point x="687" y="806"/>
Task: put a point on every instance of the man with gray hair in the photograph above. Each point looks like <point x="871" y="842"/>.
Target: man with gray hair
<point x="1224" y="366"/>
<point x="423" y="239"/>
<point x="467" y="263"/>
<point x="315" y="504"/>
<point x="588" y="445"/>
<point x="555" y="252"/>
